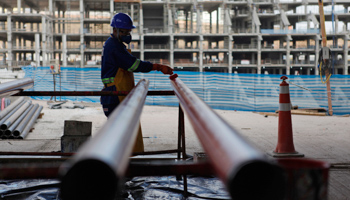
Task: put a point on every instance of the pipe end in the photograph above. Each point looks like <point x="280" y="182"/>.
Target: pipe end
<point x="16" y="133"/>
<point x="8" y="133"/>
<point x="89" y="179"/>
<point x="3" y="127"/>
<point x="258" y="180"/>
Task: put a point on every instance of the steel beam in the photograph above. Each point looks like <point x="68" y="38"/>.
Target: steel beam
<point x="97" y="168"/>
<point x="246" y="172"/>
<point x="13" y="87"/>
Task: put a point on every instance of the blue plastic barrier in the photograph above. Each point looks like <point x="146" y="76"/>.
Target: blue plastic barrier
<point x="244" y="92"/>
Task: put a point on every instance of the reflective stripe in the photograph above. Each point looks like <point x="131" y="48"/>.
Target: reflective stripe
<point x="108" y="80"/>
<point x="134" y="66"/>
<point x="284" y="89"/>
<point x="284" y="107"/>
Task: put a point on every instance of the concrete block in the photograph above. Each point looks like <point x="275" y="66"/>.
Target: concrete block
<point x="75" y="128"/>
<point x="70" y="144"/>
<point x="74" y="135"/>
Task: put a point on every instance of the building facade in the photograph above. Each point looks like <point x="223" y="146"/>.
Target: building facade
<point x="235" y="36"/>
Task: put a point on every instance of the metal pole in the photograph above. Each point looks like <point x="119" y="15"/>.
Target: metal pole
<point x="13" y="87"/>
<point x="30" y="123"/>
<point x="4" y="112"/>
<point x="18" y="120"/>
<point x="100" y="164"/>
<point x="11" y="112"/>
<point x="246" y="172"/>
<point x="14" y="116"/>
<point x="18" y="130"/>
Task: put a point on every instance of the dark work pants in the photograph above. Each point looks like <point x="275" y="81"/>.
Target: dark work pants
<point x="109" y="108"/>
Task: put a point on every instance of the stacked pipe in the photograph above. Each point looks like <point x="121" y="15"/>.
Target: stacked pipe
<point x="17" y="119"/>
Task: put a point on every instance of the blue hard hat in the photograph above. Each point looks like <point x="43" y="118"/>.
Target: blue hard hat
<point x="122" y="20"/>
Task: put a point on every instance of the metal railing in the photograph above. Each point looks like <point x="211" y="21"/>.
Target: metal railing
<point x="294" y="31"/>
<point x="244" y="62"/>
<point x="159" y="61"/>
<point x="245" y="46"/>
<point x="24" y="47"/>
<point x="157" y="46"/>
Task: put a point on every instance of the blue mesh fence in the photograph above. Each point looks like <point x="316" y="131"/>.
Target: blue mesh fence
<point x="244" y="92"/>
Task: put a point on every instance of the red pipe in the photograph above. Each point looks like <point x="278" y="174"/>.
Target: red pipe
<point x="245" y="171"/>
<point x="29" y="171"/>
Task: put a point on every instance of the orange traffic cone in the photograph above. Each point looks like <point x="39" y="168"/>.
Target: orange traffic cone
<point x="285" y="145"/>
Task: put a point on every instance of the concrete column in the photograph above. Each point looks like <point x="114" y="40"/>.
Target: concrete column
<point x="199" y="20"/>
<point x="318" y="39"/>
<point x="345" y="53"/>
<point x="142" y="52"/>
<point x="191" y="19"/>
<point x="141" y="22"/>
<point x="336" y="24"/>
<point x="307" y="71"/>
<point x="50" y="7"/>
<point x="201" y="53"/>
<point x="64" y="50"/>
<point x="186" y="18"/>
<point x="170" y="22"/>
<point x="19" y="6"/>
<point x="82" y="46"/>
<point x="172" y="50"/>
<point x="63" y="27"/>
<point x="217" y="21"/>
<point x="230" y="39"/>
<point x="111" y="10"/>
<point x="44" y="41"/>
<point x="210" y="23"/>
<point x="59" y="21"/>
<point x="259" y="54"/>
<point x="9" y="40"/>
<point x="37" y="49"/>
<point x="288" y="39"/>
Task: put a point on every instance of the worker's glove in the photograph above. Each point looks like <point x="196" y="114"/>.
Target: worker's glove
<point x="163" y="68"/>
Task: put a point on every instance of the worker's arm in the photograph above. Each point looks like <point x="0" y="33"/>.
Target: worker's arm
<point x="127" y="61"/>
<point x="130" y="63"/>
<point x="163" y="68"/>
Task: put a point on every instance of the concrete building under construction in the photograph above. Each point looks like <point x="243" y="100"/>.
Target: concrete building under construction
<point x="243" y="36"/>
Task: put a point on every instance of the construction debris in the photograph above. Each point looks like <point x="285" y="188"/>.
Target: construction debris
<point x="308" y="111"/>
<point x="67" y="104"/>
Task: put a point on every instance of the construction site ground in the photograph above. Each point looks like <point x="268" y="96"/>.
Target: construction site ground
<point x="325" y="138"/>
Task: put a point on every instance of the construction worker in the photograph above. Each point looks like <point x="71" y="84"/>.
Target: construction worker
<point x="118" y="65"/>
